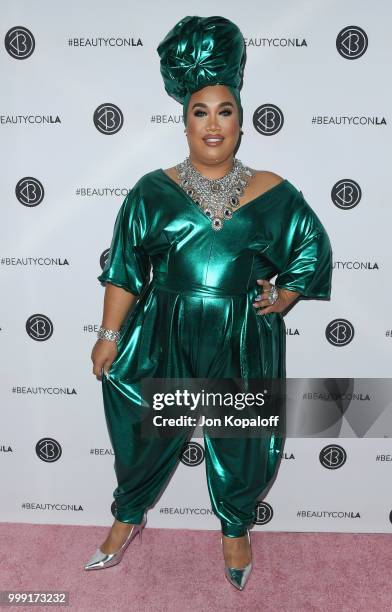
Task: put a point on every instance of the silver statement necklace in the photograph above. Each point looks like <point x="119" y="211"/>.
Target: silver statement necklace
<point x="217" y="198"/>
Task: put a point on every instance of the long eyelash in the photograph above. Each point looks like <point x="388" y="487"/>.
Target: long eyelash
<point x="225" y="110"/>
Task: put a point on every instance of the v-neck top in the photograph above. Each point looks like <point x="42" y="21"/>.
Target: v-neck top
<point x="256" y="198"/>
<point x="196" y="285"/>
<point x="160" y="226"/>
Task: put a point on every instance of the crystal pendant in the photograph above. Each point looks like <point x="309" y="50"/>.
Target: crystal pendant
<point x="217" y="223"/>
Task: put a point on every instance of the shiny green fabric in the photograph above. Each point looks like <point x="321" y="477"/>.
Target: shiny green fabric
<point x="201" y="51"/>
<point x="195" y="318"/>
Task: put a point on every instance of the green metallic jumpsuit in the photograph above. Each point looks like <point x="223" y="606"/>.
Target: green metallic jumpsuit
<point x="195" y="318"/>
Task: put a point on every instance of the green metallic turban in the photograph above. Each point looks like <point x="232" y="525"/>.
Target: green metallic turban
<point x="201" y="51"/>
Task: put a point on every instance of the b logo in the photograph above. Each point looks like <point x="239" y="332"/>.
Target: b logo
<point x="192" y="454"/>
<point x="104" y="257"/>
<point x="39" y="327"/>
<point x="264" y="513"/>
<point x="29" y="191"/>
<point x="333" y="456"/>
<point x="268" y="119"/>
<point x="351" y="42"/>
<point x="108" y="118"/>
<point x="346" y="194"/>
<point x="48" y="450"/>
<point x="19" y="42"/>
<point x="339" y="332"/>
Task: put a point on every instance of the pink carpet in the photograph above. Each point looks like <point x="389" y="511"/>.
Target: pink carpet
<point x="183" y="570"/>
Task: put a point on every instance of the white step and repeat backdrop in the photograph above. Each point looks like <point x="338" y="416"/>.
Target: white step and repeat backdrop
<point x="83" y="114"/>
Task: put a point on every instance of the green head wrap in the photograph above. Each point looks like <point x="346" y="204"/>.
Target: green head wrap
<point x="202" y="51"/>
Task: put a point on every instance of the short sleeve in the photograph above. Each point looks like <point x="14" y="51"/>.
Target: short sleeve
<point x="307" y="254"/>
<point x="128" y="264"/>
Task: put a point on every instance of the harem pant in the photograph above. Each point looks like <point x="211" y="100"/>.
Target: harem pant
<point x="238" y="469"/>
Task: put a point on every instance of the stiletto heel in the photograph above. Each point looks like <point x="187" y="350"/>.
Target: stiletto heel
<point x="238" y="577"/>
<point x="101" y="560"/>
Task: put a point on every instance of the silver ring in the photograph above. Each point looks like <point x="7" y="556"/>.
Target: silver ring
<point x="273" y="294"/>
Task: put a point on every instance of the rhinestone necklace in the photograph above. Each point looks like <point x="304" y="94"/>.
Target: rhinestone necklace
<point x="217" y="198"/>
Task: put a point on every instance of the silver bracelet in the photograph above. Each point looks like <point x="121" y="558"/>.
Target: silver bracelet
<point x="108" y="334"/>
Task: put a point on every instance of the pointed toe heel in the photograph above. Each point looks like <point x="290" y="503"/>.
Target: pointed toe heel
<point x="238" y="577"/>
<point x="101" y="560"/>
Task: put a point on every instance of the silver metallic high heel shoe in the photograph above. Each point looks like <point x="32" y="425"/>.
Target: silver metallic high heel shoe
<point x="238" y="576"/>
<point x="100" y="560"/>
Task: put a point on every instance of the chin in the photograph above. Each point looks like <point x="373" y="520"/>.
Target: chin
<point x="217" y="154"/>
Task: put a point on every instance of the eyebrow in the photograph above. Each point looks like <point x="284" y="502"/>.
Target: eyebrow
<point x="228" y="103"/>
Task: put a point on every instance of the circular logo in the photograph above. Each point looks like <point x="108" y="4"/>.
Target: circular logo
<point x="192" y="454"/>
<point x="39" y="327"/>
<point x="108" y="118"/>
<point x="264" y="513"/>
<point x="352" y="42"/>
<point x="104" y="257"/>
<point x="113" y="508"/>
<point x="19" y="42"/>
<point x="332" y="456"/>
<point x="48" y="450"/>
<point x="339" y="332"/>
<point x="29" y="191"/>
<point x="268" y="119"/>
<point x="346" y="194"/>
